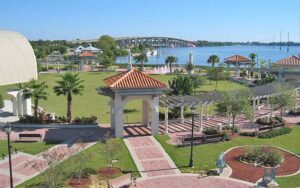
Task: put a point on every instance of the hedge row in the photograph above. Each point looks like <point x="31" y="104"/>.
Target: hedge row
<point x="274" y="132"/>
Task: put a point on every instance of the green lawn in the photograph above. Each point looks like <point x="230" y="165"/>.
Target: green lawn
<point x="96" y="162"/>
<point x="206" y="155"/>
<point x="91" y="103"/>
<point x="26" y="147"/>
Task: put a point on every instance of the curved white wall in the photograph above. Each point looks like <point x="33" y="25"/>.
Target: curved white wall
<point x="17" y="59"/>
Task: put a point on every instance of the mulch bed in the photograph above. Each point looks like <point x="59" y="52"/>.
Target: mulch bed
<point x="74" y="183"/>
<point x="105" y="172"/>
<point x="250" y="173"/>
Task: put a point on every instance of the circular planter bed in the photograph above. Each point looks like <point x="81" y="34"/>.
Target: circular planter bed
<point x="290" y="164"/>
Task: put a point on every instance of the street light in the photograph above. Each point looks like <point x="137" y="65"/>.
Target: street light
<point x="191" y="163"/>
<point x="7" y="129"/>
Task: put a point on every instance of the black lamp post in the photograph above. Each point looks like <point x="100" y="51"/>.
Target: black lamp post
<point x="7" y="129"/>
<point x="191" y="163"/>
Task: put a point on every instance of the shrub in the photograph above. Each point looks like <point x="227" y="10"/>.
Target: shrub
<point x="262" y="155"/>
<point x="235" y="129"/>
<point x="274" y="132"/>
<point x="251" y="134"/>
<point x="82" y="120"/>
<point x="210" y="131"/>
<point x="272" y="121"/>
<point x="294" y="112"/>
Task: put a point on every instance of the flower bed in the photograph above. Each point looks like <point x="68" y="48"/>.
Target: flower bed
<point x="47" y="119"/>
<point x="272" y="121"/>
<point x="262" y="156"/>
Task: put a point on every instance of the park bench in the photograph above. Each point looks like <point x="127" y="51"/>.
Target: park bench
<point x="29" y="136"/>
<point x="121" y="181"/>
<point x="265" y="128"/>
<point x="203" y="139"/>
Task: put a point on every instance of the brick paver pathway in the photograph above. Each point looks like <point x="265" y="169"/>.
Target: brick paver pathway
<point x="149" y="157"/>
<point x="22" y="171"/>
<point x="186" y="181"/>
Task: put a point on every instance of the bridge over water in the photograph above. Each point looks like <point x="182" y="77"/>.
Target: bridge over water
<point x="152" y="41"/>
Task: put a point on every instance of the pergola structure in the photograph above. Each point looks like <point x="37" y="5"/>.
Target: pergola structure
<point x="202" y="100"/>
<point x="131" y="85"/>
<point x="237" y="61"/>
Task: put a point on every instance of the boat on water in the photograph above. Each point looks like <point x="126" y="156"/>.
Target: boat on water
<point x="152" y="53"/>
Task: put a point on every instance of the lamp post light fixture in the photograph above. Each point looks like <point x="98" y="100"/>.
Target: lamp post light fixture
<point x="7" y="129"/>
<point x="191" y="163"/>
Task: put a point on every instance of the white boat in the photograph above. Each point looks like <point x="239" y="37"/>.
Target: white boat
<point x="152" y="53"/>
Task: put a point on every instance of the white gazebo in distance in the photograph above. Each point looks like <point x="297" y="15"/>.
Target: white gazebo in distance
<point x="17" y="65"/>
<point x="131" y="85"/>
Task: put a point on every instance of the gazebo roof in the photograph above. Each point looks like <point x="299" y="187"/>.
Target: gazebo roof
<point x="289" y="61"/>
<point x="237" y="59"/>
<point x="87" y="54"/>
<point x="133" y="79"/>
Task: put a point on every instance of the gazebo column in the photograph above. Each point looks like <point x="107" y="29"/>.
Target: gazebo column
<point x="227" y="69"/>
<point x="119" y="113"/>
<point x="20" y="104"/>
<point x="155" y="115"/>
<point x="182" y="114"/>
<point x="112" y="114"/>
<point x="236" y="71"/>
<point x="166" y="120"/>
<point x="145" y="113"/>
<point x="201" y="118"/>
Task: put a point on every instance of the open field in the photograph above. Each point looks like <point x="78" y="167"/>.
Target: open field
<point x="206" y="155"/>
<point x="97" y="161"/>
<point x="91" y="103"/>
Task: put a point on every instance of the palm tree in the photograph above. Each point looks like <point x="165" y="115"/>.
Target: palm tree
<point x="253" y="57"/>
<point x="70" y="84"/>
<point x="37" y="91"/>
<point x="170" y="60"/>
<point x="213" y="59"/>
<point x="142" y="58"/>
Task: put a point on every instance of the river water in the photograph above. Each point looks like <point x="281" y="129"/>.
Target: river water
<point x="201" y="54"/>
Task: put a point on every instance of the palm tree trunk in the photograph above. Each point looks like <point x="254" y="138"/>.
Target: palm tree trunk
<point x="69" y="110"/>
<point x="35" y="107"/>
<point x="170" y="67"/>
<point x="142" y="65"/>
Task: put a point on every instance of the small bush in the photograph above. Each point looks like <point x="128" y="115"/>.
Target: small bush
<point x="251" y="134"/>
<point x="235" y="129"/>
<point x="82" y="120"/>
<point x="294" y="112"/>
<point x="210" y="131"/>
<point x="274" y="132"/>
<point x="272" y="121"/>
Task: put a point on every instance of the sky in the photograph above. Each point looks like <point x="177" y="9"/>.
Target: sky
<point x="213" y="20"/>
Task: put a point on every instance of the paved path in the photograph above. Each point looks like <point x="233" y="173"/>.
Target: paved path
<point x="149" y="157"/>
<point x="190" y="180"/>
<point x="22" y="171"/>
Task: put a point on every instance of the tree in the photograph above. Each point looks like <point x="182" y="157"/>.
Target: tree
<point x="37" y="91"/>
<point x="142" y="58"/>
<point x="106" y="60"/>
<point x="233" y="103"/>
<point x="106" y="43"/>
<point x="170" y="60"/>
<point x="253" y="57"/>
<point x="283" y="98"/>
<point x="110" y="149"/>
<point x="216" y="74"/>
<point x="1" y="102"/>
<point x="70" y="84"/>
<point x="189" y="67"/>
<point x="213" y="59"/>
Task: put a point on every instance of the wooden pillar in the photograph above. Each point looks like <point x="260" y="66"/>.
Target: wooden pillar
<point x="166" y="120"/>
<point x="182" y="114"/>
<point x="201" y="118"/>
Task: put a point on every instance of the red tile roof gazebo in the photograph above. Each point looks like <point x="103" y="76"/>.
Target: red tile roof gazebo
<point x="236" y="60"/>
<point x="291" y="61"/>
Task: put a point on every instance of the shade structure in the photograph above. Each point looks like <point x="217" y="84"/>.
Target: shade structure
<point x="237" y="59"/>
<point x="291" y="61"/>
<point x="17" y="59"/>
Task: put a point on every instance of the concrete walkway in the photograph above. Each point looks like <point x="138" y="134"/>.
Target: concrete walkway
<point x="149" y="157"/>
<point x="23" y="172"/>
